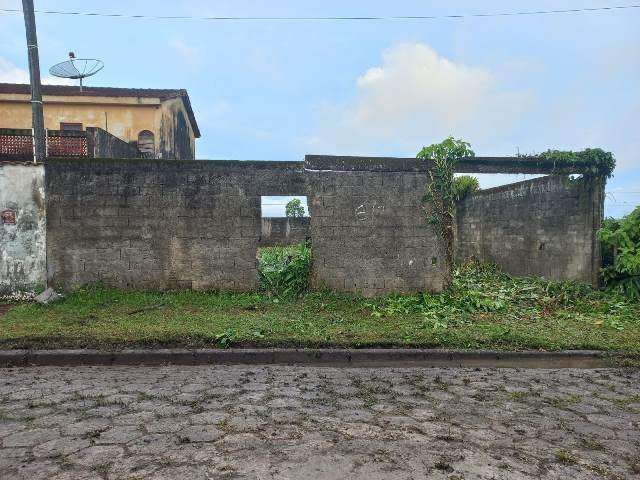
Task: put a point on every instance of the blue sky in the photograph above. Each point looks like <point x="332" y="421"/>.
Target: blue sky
<point x="277" y="90"/>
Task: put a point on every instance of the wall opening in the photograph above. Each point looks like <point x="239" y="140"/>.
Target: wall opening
<point x="71" y="127"/>
<point x="284" y="248"/>
<point x="285" y="221"/>
<point x="492" y="180"/>
<point x="146" y="143"/>
<point x="276" y="206"/>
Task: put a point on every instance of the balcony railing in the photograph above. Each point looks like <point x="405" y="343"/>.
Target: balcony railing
<point x="17" y="144"/>
<point x="67" y="144"/>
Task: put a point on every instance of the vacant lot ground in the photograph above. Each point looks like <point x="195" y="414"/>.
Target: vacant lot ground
<point x="483" y="309"/>
<point x="321" y="423"/>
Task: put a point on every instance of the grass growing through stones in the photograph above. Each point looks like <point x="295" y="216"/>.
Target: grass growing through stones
<point x="592" y="444"/>
<point x="566" y="457"/>
<point x="483" y="309"/>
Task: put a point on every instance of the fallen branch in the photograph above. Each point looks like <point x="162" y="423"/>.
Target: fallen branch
<point x="146" y="309"/>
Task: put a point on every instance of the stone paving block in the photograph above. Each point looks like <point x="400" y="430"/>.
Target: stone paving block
<point x="28" y="438"/>
<point x="60" y="446"/>
<point x="88" y="427"/>
<point x="43" y="469"/>
<point x="199" y="433"/>
<point x="118" y="435"/>
<point x="95" y="456"/>
<point x="207" y="418"/>
<point x="153" y="444"/>
<point x="393" y="423"/>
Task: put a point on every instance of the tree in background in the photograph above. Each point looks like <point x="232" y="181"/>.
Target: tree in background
<point x="621" y="253"/>
<point x="294" y="209"/>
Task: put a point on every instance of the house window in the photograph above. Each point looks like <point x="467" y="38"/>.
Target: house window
<point x="146" y="143"/>
<point x="71" y="126"/>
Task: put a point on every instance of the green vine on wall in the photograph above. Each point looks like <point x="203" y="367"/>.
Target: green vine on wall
<point x="594" y="161"/>
<point x="441" y="194"/>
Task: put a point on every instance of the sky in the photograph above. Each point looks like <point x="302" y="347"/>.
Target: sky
<point x="277" y="90"/>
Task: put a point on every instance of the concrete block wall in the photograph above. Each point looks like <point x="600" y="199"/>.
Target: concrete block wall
<point x="542" y="227"/>
<point x="152" y="224"/>
<point x="22" y="244"/>
<point x="284" y="231"/>
<point x="101" y="144"/>
<point x="368" y="228"/>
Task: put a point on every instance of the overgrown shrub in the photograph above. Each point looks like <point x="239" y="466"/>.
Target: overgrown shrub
<point x="608" y="254"/>
<point x="284" y="271"/>
<point x="464" y="185"/>
<point x="480" y="289"/>
<point x="620" y="241"/>
<point x="596" y="160"/>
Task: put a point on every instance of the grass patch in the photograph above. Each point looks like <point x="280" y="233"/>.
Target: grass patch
<point x="484" y="308"/>
<point x="518" y="395"/>
<point x="565" y="457"/>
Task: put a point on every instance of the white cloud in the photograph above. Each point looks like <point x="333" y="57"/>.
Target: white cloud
<point x="189" y="54"/>
<point x="416" y="97"/>
<point x="9" y="73"/>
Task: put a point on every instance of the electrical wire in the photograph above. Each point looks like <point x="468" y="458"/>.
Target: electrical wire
<point x="329" y="18"/>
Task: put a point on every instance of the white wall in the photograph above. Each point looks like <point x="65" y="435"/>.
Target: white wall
<point x="23" y="245"/>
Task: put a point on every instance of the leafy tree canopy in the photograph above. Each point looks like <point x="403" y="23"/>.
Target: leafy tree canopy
<point x="294" y="209"/>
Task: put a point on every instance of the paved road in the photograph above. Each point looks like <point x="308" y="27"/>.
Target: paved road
<point x="318" y="423"/>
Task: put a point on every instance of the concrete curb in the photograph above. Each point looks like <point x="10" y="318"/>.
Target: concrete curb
<point x="392" y="357"/>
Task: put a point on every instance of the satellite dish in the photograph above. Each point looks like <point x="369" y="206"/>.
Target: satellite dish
<point x="76" y="68"/>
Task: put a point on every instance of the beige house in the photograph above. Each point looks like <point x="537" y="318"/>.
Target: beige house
<point x="160" y="122"/>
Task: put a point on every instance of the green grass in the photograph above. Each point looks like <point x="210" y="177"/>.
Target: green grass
<point x="483" y="309"/>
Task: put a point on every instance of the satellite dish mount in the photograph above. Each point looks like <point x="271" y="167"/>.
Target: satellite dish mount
<point x="76" y="68"/>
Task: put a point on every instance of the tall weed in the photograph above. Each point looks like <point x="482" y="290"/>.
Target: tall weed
<point x="284" y="271"/>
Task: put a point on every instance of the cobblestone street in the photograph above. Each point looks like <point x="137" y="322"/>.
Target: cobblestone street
<point x="318" y="423"/>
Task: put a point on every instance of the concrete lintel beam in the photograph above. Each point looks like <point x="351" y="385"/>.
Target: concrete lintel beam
<point x="532" y="165"/>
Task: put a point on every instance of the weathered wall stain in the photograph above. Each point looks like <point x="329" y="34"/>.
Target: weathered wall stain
<point x="22" y="245"/>
<point x="176" y="139"/>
